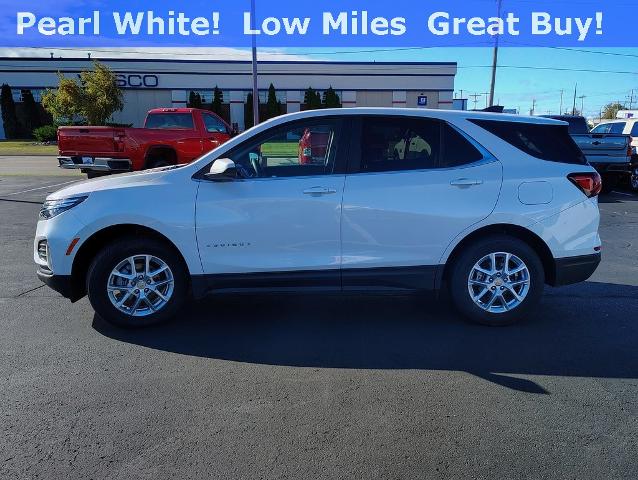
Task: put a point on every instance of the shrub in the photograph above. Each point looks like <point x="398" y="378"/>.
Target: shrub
<point x="46" y="133"/>
<point x="9" y="116"/>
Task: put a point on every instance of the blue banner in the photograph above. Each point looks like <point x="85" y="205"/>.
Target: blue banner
<point x="327" y="23"/>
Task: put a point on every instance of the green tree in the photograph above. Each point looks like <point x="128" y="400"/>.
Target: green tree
<point x="218" y="101"/>
<point x="96" y="98"/>
<point x="194" y="100"/>
<point x="312" y="99"/>
<point x="611" y="110"/>
<point x="273" y="106"/>
<point x="248" y="112"/>
<point x="31" y="111"/>
<point x="102" y="96"/>
<point x="331" y="99"/>
<point x="66" y="103"/>
<point x="9" y="116"/>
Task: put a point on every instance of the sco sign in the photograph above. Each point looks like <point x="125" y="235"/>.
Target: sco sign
<point x="135" y="80"/>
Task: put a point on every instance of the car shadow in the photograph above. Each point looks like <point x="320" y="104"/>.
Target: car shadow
<point x="618" y="197"/>
<point x="584" y="330"/>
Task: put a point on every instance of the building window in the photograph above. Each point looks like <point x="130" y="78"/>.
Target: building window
<point x="263" y="96"/>
<point x="18" y="94"/>
<point x="207" y="95"/>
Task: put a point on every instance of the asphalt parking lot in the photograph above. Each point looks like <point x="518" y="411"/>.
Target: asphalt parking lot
<point x="315" y="386"/>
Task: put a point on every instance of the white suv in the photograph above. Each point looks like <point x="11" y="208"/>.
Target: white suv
<point x="489" y="206"/>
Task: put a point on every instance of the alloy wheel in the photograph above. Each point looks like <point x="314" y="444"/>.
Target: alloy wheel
<point x="499" y="282"/>
<point x="140" y="285"/>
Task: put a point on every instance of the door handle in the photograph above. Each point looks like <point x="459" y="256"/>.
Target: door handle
<point x="466" y="182"/>
<point x="318" y="191"/>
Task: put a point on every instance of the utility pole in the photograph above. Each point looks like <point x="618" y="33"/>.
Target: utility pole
<point x="560" y="110"/>
<point x="495" y="59"/>
<point x="475" y="97"/>
<point x="574" y="107"/>
<point x="255" y="88"/>
<point x="486" y="98"/>
<point x="582" y="104"/>
<point x="631" y="100"/>
<point x="533" y="110"/>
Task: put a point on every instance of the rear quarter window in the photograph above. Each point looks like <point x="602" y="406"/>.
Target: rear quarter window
<point x="546" y="142"/>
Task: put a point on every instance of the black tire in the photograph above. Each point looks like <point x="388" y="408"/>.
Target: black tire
<point x="610" y="182"/>
<point x="108" y="258"/>
<point x="160" y="162"/>
<point x="464" y="264"/>
<point x="90" y="174"/>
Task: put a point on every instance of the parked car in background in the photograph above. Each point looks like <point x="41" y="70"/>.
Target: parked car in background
<point x="607" y="148"/>
<point x="170" y="136"/>
<point x="627" y="124"/>
<point x="495" y="207"/>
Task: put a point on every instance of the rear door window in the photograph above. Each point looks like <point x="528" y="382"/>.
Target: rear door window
<point x="170" y="121"/>
<point x="547" y="142"/>
<point x="396" y="144"/>
<point x="634" y="130"/>
<point x="390" y="144"/>
<point x="457" y="150"/>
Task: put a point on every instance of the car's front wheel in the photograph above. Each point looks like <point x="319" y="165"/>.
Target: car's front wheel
<point x="496" y="280"/>
<point x="137" y="282"/>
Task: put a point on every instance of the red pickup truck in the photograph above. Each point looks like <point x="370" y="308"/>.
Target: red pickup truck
<point x="170" y="136"/>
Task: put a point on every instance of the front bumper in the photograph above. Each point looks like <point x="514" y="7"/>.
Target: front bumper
<point x="571" y="270"/>
<point x="62" y="284"/>
<point x="95" y="164"/>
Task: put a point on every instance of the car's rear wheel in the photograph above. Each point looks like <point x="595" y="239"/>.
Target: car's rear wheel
<point x="137" y="282"/>
<point x="497" y="280"/>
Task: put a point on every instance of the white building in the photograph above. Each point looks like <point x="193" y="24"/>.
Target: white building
<point x="167" y="83"/>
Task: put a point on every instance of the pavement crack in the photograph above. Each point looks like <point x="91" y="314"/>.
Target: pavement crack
<point x="30" y="290"/>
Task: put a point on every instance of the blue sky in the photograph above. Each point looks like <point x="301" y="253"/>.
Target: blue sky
<point x="516" y="87"/>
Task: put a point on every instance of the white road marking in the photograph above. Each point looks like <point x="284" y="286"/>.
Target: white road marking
<point x="41" y="188"/>
<point x="623" y="193"/>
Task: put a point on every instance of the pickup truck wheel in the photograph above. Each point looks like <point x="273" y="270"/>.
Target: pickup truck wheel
<point x="91" y="175"/>
<point x="160" y="163"/>
<point x="496" y="281"/>
<point x="610" y="182"/>
<point x="137" y="282"/>
<point x="634" y="182"/>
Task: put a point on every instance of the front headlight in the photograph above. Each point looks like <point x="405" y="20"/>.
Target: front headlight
<point x="52" y="208"/>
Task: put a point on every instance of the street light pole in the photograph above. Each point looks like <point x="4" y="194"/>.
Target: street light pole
<point x="495" y="59"/>
<point x="255" y="87"/>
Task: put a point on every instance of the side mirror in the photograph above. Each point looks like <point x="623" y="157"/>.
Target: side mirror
<point x="222" y="170"/>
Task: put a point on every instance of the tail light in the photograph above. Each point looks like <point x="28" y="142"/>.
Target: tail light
<point x="630" y="149"/>
<point x="119" y="138"/>
<point x="589" y="183"/>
